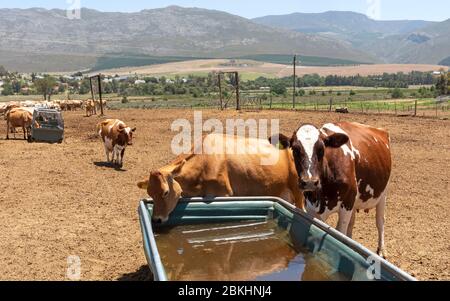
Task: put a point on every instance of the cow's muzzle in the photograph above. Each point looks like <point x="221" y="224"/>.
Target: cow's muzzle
<point x="312" y="184"/>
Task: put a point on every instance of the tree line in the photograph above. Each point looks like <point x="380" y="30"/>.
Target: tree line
<point x="198" y="86"/>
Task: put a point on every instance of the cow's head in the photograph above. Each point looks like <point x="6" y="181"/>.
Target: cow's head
<point x="309" y="145"/>
<point x="126" y="135"/>
<point x="164" y="190"/>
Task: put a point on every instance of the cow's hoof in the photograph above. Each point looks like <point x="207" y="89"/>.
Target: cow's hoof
<point x="382" y="253"/>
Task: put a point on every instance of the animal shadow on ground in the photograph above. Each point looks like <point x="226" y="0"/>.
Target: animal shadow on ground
<point x="109" y="165"/>
<point x="13" y="139"/>
<point x="142" y="274"/>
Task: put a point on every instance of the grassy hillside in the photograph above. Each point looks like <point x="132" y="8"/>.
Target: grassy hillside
<point x="445" y="62"/>
<point x="168" y="32"/>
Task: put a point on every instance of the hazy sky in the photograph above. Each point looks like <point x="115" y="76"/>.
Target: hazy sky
<point x="433" y="10"/>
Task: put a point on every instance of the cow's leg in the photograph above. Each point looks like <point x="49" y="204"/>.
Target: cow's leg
<point x="122" y="154"/>
<point x="7" y="130"/>
<point x="107" y="154"/>
<point x="345" y="217"/>
<point x="24" y="133"/>
<point x="380" y="217"/>
<point x="115" y="156"/>
<point x="351" y="225"/>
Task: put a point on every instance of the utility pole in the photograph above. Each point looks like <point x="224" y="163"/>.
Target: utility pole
<point x="219" y="76"/>
<point x="295" y="83"/>
<point x="92" y="94"/>
<point x="99" y="81"/>
<point x="100" y="93"/>
<point x="238" y="101"/>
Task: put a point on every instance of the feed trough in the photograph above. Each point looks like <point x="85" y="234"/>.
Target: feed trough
<point x="254" y="239"/>
<point x="47" y="126"/>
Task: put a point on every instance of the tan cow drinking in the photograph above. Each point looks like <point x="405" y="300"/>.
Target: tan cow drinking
<point x="224" y="174"/>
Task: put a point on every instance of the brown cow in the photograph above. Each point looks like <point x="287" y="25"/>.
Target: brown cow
<point x="90" y="107"/>
<point x="19" y="117"/>
<point x="116" y="136"/>
<point x="343" y="168"/>
<point x="255" y="168"/>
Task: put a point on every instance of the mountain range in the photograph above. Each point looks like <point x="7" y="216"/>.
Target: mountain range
<point x="404" y="41"/>
<point x="37" y="39"/>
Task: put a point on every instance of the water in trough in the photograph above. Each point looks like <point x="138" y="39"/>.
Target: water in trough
<point x="239" y="251"/>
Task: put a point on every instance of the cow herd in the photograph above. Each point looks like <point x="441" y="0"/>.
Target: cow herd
<point x="339" y="168"/>
<point x="19" y="114"/>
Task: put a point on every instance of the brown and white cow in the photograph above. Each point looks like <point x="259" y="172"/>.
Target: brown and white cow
<point x="343" y="168"/>
<point x="214" y="172"/>
<point x="18" y="117"/>
<point x="116" y="136"/>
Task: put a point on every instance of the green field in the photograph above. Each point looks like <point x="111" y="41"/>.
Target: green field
<point x="304" y="60"/>
<point x="119" y="60"/>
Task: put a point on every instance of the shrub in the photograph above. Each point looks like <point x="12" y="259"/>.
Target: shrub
<point x="279" y="89"/>
<point x="396" y="93"/>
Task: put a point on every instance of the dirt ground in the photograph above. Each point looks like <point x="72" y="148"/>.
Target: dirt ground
<point x="59" y="200"/>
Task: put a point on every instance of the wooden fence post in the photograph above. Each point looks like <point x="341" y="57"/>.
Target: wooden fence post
<point x="415" y="108"/>
<point x="331" y="104"/>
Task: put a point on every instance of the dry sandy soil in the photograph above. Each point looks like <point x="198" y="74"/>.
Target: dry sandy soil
<point x="276" y="70"/>
<point x="58" y="200"/>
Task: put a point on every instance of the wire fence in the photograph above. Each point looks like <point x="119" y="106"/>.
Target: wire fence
<point x="427" y="107"/>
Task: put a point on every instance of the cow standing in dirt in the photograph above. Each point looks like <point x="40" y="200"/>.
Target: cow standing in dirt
<point x="116" y="136"/>
<point x="90" y="107"/>
<point x="343" y="168"/>
<point x="18" y="117"/>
